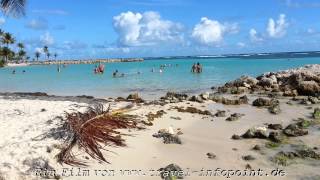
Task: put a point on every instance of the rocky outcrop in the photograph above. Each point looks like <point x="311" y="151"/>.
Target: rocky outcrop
<point x="135" y="98"/>
<point x="301" y="81"/>
<point x="295" y="130"/>
<point x="227" y="101"/>
<point x="256" y="132"/>
<point x="234" y="117"/>
<point x="173" y="97"/>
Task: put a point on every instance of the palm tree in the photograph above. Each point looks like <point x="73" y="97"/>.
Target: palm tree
<point x="48" y="55"/>
<point x="21" y="54"/>
<point x="6" y="52"/>
<point x="20" y="46"/>
<point x="46" y="51"/>
<point x="15" y="8"/>
<point x="7" y="39"/>
<point x="37" y="55"/>
<point x="55" y="56"/>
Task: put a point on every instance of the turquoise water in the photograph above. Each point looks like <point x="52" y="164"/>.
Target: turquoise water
<point x="80" y="79"/>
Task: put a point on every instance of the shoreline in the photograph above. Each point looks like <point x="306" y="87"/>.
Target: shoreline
<point x="245" y="124"/>
<point x="68" y="62"/>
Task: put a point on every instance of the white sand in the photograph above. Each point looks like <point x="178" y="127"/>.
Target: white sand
<point x="22" y="121"/>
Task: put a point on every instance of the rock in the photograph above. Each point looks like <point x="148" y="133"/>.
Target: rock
<point x="119" y="99"/>
<point x="257" y="132"/>
<point x="211" y="155"/>
<point x="175" y="97"/>
<point x="196" y="99"/>
<point x="316" y="113"/>
<point x="313" y="100"/>
<point x="308" y="88"/>
<point x="43" y="110"/>
<point x="220" y="113"/>
<point x="226" y="101"/>
<point x="171" y="172"/>
<point x="261" y="102"/>
<point x="308" y="153"/>
<point x="292" y="93"/>
<point x="256" y="148"/>
<point x="248" y="158"/>
<point x="274" y="109"/>
<point x="158" y="114"/>
<point x="205" y="96"/>
<point x="193" y="110"/>
<point x="275" y="126"/>
<point x="248" y="166"/>
<point x="168" y="138"/>
<point x="234" y="117"/>
<point x="135" y="98"/>
<point x="175" y="118"/>
<point x="265" y="81"/>
<point x="294" y="130"/>
<point x="282" y="158"/>
<point x="235" y="137"/>
<point x="305" y="101"/>
<point x="275" y="137"/>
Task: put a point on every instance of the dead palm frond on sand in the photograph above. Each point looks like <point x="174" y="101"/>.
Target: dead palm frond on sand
<point x="92" y="131"/>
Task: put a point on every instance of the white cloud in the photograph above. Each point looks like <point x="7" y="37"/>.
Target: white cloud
<point x="211" y="32"/>
<point x="2" y="21"/>
<point x="37" y="24"/>
<point x="136" y="29"/>
<point x="46" y="39"/>
<point x="40" y="50"/>
<point x="241" y="44"/>
<point x="254" y="37"/>
<point x="277" y="29"/>
<point x="50" y="11"/>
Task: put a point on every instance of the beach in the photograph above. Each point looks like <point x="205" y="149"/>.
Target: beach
<point x="225" y="129"/>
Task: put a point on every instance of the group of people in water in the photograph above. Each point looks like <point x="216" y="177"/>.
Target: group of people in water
<point x="196" y="68"/>
<point x="99" y="69"/>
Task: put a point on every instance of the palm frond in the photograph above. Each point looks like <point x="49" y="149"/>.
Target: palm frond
<point x="92" y="131"/>
<point x="14" y="8"/>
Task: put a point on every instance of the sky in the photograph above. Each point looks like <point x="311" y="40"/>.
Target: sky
<point x="85" y="29"/>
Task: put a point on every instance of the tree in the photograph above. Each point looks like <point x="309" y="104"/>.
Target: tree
<point x="14" y="8"/>
<point x="20" y="46"/>
<point x="21" y="54"/>
<point x="7" y="53"/>
<point x="55" y="56"/>
<point x="46" y="51"/>
<point x="37" y="55"/>
<point x="7" y="39"/>
<point x="48" y="55"/>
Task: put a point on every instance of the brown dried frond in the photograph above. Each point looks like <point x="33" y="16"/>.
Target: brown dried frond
<point x="92" y="131"/>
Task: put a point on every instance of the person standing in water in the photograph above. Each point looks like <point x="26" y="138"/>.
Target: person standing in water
<point x="199" y="68"/>
<point x="193" y="68"/>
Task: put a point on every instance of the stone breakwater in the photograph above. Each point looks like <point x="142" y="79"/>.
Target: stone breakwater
<point x="304" y="81"/>
<point x="92" y="61"/>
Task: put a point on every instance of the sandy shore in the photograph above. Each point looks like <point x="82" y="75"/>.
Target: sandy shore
<point x="26" y="145"/>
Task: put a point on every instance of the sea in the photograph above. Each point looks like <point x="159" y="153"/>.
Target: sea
<point x="138" y="77"/>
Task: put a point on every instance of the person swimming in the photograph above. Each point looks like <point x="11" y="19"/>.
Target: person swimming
<point x="14" y="71"/>
<point x="114" y="74"/>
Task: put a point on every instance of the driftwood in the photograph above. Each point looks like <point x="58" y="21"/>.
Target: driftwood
<point x="92" y="131"/>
